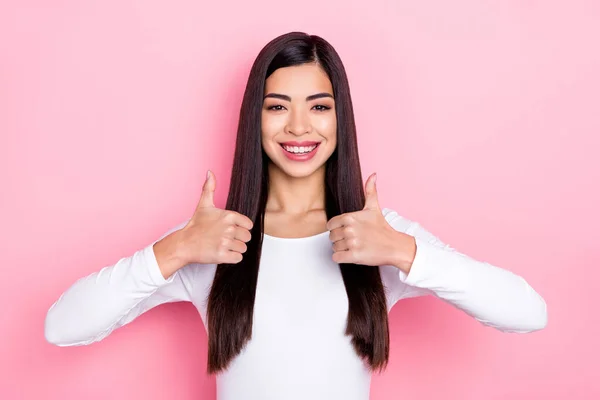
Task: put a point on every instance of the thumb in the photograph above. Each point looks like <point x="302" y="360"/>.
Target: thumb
<point x="371" y="201"/>
<point x="208" y="191"/>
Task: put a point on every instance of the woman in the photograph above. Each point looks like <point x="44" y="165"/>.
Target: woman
<point x="311" y="322"/>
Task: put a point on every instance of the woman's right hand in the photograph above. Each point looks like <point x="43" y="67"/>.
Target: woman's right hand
<point x="211" y="236"/>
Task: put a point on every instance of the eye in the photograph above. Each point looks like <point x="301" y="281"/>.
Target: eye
<point x="318" y="107"/>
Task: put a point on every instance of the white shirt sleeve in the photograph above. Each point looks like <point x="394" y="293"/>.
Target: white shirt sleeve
<point x="494" y="296"/>
<point x="107" y="299"/>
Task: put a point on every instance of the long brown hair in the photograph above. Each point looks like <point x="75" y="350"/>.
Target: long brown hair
<point x="231" y="299"/>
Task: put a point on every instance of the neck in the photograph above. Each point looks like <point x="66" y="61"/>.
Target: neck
<point x="292" y="195"/>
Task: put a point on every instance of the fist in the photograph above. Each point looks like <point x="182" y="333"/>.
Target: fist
<point x="213" y="235"/>
<point x="365" y="237"/>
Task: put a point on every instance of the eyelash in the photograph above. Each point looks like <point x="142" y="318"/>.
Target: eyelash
<point x="325" y="108"/>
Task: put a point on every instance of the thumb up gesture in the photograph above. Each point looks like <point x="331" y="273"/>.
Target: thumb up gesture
<point x="213" y="235"/>
<point x="365" y="237"/>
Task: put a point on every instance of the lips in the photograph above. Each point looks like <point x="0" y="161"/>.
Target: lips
<point x="299" y="144"/>
<point x="300" y="151"/>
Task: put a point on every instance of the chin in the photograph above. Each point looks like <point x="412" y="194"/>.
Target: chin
<point x="298" y="171"/>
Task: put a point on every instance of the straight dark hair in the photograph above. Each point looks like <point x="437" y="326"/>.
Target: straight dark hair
<point x="230" y="306"/>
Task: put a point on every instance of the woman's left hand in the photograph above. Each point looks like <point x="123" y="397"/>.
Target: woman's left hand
<point x="365" y="237"/>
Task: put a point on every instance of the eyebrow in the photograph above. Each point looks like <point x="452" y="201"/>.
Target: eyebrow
<point x="288" y="98"/>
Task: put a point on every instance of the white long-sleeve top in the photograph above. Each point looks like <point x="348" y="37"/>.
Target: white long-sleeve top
<point x="298" y="348"/>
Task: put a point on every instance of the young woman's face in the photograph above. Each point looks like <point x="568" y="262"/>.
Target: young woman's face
<point x="298" y="119"/>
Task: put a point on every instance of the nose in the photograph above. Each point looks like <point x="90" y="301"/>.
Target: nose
<point x="299" y="122"/>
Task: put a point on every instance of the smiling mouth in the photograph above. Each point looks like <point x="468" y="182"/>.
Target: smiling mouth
<point x="299" y="149"/>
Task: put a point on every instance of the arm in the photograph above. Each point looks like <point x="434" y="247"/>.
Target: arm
<point x="107" y="299"/>
<point x="494" y="296"/>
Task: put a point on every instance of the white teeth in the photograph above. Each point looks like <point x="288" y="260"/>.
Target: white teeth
<point x="299" y="150"/>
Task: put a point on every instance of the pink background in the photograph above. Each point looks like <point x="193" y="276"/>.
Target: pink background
<point x="481" y="118"/>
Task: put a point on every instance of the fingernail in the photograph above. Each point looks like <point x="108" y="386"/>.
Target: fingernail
<point x="208" y="174"/>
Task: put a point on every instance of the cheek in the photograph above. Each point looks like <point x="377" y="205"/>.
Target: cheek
<point x="327" y="127"/>
<point x="268" y="128"/>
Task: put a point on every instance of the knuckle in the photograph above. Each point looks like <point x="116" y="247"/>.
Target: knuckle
<point x="242" y="234"/>
<point x="229" y="216"/>
<point x="351" y="255"/>
<point x="221" y="254"/>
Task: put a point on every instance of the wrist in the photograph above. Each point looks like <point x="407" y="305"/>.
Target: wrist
<point x="405" y="248"/>
<point x="169" y="254"/>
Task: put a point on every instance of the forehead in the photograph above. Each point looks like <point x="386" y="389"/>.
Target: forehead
<point x="301" y="79"/>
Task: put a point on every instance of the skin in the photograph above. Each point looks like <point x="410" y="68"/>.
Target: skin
<point x="296" y="200"/>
